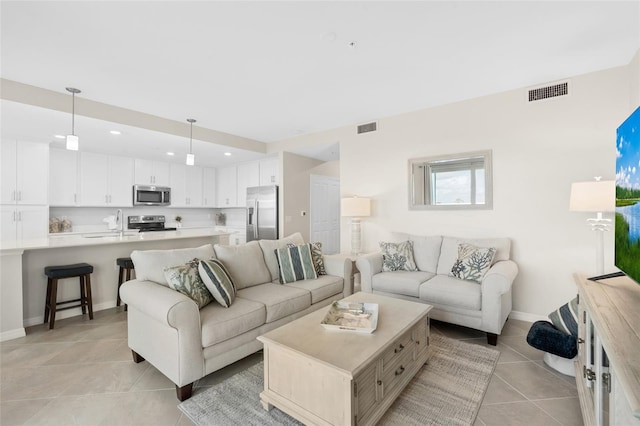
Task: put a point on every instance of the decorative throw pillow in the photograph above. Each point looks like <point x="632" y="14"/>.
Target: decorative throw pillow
<point x="295" y="263"/>
<point x="218" y="281"/>
<point x="565" y="318"/>
<point x="186" y="280"/>
<point x="316" y="255"/>
<point x="473" y="262"/>
<point x="398" y="257"/>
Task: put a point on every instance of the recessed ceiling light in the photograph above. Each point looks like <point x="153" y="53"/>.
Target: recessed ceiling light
<point x="115" y="132"/>
<point x="228" y="154"/>
<point x="170" y="153"/>
<point x="59" y="136"/>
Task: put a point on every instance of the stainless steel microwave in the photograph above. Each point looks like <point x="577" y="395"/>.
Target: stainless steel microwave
<point x="149" y="195"/>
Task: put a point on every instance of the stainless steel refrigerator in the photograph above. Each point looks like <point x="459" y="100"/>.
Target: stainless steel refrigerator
<point x="262" y="213"/>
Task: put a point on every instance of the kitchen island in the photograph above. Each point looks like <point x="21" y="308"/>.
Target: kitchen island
<point x="23" y="283"/>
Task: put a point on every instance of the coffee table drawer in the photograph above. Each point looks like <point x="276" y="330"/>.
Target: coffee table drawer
<point x="420" y="337"/>
<point x="394" y="374"/>
<point x="399" y="347"/>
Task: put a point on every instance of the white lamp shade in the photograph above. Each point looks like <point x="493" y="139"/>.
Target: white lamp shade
<point x="191" y="159"/>
<point x="72" y="142"/>
<point x="595" y="196"/>
<point x="355" y="207"/>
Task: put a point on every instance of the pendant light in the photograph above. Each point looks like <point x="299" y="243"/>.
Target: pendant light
<point x="72" y="139"/>
<point x="191" y="159"/>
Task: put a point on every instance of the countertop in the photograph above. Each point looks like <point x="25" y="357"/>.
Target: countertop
<point x="110" y="237"/>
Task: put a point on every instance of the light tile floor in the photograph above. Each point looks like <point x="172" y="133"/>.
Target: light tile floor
<point x="82" y="373"/>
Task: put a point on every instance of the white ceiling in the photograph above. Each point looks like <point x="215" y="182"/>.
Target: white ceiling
<point x="271" y="71"/>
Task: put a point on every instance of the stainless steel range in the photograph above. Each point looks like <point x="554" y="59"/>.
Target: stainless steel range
<point x="147" y="223"/>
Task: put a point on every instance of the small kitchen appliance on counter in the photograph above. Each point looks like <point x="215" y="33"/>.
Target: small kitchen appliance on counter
<point x="147" y="223"/>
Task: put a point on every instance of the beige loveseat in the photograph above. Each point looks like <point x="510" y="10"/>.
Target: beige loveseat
<point x="184" y="343"/>
<point x="483" y="306"/>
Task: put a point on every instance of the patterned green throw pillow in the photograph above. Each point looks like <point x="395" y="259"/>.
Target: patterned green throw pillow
<point x="316" y="255"/>
<point x="398" y="257"/>
<point x="295" y="263"/>
<point x="186" y="280"/>
<point x="218" y="281"/>
<point x="473" y="262"/>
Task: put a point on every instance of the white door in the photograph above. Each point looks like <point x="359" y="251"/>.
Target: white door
<point x="324" y="213"/>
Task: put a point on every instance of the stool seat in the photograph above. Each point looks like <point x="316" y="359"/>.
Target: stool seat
<point x="68" y="271"/>
<point x="125" y="262"/>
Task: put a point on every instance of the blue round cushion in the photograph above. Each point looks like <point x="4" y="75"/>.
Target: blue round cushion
<point x="544" y="336"/>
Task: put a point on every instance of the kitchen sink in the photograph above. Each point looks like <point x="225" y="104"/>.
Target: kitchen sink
<point x="110" y="235"/>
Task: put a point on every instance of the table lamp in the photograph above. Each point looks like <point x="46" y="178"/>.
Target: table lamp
<point x="595" y="196"/>
<point x="355" y="208"/>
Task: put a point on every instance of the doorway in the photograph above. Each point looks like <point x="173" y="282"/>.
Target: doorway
<point x="324" y="212"/>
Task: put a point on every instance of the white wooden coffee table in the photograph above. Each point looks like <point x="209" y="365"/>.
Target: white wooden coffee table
<point x="330" y="377"/>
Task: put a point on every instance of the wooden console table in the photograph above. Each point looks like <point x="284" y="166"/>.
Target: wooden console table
<point x="608" y="365"/>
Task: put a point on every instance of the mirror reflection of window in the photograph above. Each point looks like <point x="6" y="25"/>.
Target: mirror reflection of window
<point x="459" y="181"/>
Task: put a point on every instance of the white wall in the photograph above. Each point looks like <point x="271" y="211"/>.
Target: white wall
<point x="539" y="149"/>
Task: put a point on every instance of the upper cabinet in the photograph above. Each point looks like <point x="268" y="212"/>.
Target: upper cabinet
<point x="105" y="180"/>
<point x="248" y="176"/>
<point x="148" y="172"/>
<point x="227" y="187"/>
<point x="63" y="178"/>
<point x="209" y="187"/>
<point x="186" y="186"/>
<point x="25" y="173"/>
<point x="269" y="171"/>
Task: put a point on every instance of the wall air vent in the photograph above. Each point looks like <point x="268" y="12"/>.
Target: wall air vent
<point x="546" y="92"/>
<point x="369" y="127"/>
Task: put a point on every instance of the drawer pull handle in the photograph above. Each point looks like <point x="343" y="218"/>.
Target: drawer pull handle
<point x="580" y="340"/>
<point x="417" y="342"/>
<point x="399" y="371"/>
<point x="399" y="349"/>
<point x="379" y="382"/>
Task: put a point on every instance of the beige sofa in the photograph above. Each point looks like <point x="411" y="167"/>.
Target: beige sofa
<point x="483" y="306"/>
<point x="184" y="343"/>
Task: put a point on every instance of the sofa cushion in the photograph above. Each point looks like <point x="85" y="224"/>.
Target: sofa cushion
<point x="279" y="300"/>
<point x="218" y="281"/>
<point x="398" y="256"/>
<point x="150" y="264"/>
<point x="245" y="263"/>
<point x="295" y="263"/>
<point x="449" y="251"/>
<point x="220" y="324"/>
<point x="321" y="288"/>
<point x="186" y="280"/>
<point x="445" y="290"/>
<point x="268" y="251"/>
<point x="472" y="262"/>
<point x="426" y="250"/>
<point x="400" y="282"/>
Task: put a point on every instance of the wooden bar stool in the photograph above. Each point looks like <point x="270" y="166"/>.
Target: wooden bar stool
<point x="54" y="273"/>
<point x="126" y="265"/>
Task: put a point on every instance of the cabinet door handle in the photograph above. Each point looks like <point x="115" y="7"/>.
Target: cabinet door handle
<point x="19" y="216"/>
<point x="580" y="340"/>
<point x="399" y="349"/>
<point x="106" y="199"/>
<point x="400" y="370"/>
<point x="75" y="198"/>
<point x="14" y="196"/>
<point x="19" y="195"/>
<point x="14" y="216"/>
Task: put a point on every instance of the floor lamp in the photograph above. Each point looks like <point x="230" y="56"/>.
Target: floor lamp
<point x="596" y="196"/>
<point x="355" y="208"/>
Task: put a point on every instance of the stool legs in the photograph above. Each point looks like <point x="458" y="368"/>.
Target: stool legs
<point x="51" y="302"/>
<point x="121" y="279"/>
<point x="88" y="301"/>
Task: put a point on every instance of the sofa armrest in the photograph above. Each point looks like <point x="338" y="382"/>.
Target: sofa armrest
<point x="164" y="328"/>
<point x="499" y="277"/>
<point x="340" y="267"/>
<point x="368" y="265"/>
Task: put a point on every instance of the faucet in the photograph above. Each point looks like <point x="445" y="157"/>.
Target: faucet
<point x="119" y="222"/>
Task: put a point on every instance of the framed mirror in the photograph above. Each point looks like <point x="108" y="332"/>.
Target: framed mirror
<point x="451" y="182"/>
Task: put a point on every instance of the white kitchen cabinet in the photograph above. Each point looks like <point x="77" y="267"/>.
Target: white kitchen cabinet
<point x="248" y="175"/>
<point x="63" y="178"/>
<point x="148" y="172"/>
<point x="186" y="186"/>
<point x="209" y="187"/>
<point x="20" y="223"/>
<point x="269" y="171"/>
<point x="105" y="180"/>
<point x="25" y="173"/>
<point x="226" y="185"/>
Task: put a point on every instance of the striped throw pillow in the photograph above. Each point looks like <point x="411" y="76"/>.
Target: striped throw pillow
<point x="295" y="263"/>
<point x="565" y="318"/>
<point x="218" y="281"/>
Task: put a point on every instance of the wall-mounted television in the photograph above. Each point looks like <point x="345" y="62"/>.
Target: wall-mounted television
<point x="627" y="221"/>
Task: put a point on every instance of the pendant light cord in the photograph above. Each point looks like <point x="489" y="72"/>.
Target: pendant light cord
<point x="191" y="138"/>
<point x="73" y="113"/>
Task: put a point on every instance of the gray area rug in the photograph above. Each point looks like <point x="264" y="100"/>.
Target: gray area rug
<point x="447" y="391"/>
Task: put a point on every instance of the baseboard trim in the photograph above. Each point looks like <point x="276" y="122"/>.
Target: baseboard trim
<point x="12" y="334"/>
<point x="525" y="316"/>
<point x="28" y="322"/>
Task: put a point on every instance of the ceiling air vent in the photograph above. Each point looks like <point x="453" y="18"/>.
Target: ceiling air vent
<point x="540" y="93"/>
<point x="369" y="127"/>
